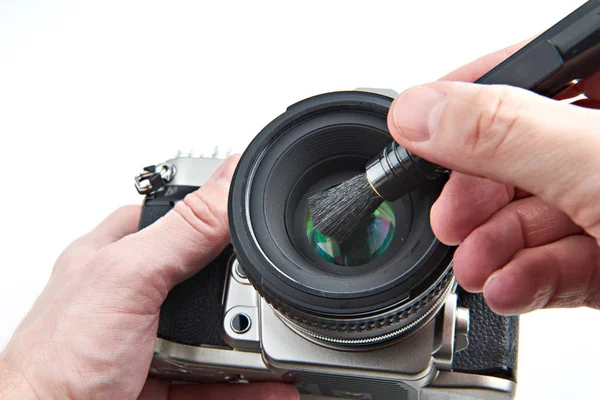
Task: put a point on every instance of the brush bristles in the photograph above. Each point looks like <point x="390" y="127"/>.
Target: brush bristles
<point x="339" y="211"/>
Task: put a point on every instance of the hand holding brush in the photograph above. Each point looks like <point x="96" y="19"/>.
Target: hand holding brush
<point x="568" y="51"/>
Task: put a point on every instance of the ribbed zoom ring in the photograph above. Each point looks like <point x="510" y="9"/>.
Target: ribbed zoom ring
<point x="386" y="322"/>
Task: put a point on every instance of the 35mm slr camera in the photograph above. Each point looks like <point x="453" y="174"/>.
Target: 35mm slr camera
<point x="380" y="319"/>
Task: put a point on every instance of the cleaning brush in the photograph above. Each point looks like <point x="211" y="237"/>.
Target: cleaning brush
<point x="340" y="210"/>
<point x="565" y="53"/>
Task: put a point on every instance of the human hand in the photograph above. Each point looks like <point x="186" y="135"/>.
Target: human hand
<point x="91" y="333"/>
<point x="521" y="200"/>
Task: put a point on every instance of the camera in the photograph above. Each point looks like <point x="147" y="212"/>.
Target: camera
<point x="382" y="318"/>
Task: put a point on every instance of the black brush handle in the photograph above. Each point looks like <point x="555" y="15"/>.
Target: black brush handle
<point x="396" y="171"/>
<point x="568" y="51"/>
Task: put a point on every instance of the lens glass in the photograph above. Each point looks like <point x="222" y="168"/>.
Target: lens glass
<point x="366" y="243"/>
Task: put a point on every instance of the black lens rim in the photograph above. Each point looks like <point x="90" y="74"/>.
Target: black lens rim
<point x="252" y="256"/>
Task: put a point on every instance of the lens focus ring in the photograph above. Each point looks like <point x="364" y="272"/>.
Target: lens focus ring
<point x="366" y="328"/>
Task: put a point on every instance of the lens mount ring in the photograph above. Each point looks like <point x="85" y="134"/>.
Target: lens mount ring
<point x="331" y="341"/>
<point x="368" y="330"/>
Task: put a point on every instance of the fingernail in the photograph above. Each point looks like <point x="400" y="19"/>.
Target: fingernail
<point x="416" y="112"/>
<point x="224" y="173"/>
<point x="486" y="287"/>
<point x="498" y="295"/>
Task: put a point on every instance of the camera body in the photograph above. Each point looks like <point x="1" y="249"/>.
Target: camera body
<point x="227" y="324"/>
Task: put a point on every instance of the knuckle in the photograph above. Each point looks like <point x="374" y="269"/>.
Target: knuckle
<point x="497" y="118"/>
<point x="106" y="259"/>
<point x="115" y="261"/>
<point x="136" y="288"/>
<point x="71" y="258"/>
<point x="204" y="215"/>
<point x="84" y="248"/>
<point x="128" y="210"/>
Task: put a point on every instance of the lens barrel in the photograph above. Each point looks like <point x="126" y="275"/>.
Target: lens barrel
<point x="318" y="143"/>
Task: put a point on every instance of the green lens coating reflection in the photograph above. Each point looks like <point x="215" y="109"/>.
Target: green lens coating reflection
<point x="366" y="243"/>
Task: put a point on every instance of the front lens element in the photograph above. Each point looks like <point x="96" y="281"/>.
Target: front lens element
<point x="366" y="244"/>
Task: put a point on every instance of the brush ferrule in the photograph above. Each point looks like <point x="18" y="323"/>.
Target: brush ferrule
<point x="395" y="172"/>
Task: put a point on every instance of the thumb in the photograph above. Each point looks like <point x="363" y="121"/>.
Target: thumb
<point x="179" y="244"/>
<point x="510" y="135"/>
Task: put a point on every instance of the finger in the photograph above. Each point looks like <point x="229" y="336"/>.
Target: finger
<point x="254" y="391"/>
<point x="525" y="223"/>
<point x="560" y="274"/>
<point x="122" y="222"/>
<point x="117" y="225"/>
<point x="512" y="136"/>
<point x="179" y="244"/>
<point x="474" y="70"/>
<point x="465" y="203"/>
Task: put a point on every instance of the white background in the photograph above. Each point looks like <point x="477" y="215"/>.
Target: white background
<point x="92" y="91"/>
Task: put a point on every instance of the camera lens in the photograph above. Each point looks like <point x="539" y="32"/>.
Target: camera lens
<point x="365" y="245"/>
<point x="388" y="279"/>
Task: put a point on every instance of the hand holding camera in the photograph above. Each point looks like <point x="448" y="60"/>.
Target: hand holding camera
<point x="91" y="333"/>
